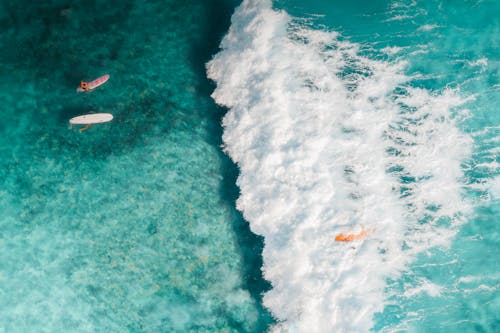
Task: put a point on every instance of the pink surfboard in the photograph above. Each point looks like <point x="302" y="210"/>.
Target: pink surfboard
<point x="96" y="83"/>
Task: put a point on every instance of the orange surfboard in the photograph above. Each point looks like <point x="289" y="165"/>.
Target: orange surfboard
<point x="94" y="84"/>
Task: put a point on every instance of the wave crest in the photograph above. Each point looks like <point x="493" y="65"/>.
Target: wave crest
<point x="328" y="140"/>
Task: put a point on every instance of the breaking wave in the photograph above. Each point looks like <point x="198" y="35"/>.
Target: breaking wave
<point x="329" y="140"/>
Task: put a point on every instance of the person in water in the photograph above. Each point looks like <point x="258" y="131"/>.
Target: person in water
<point x="84" y="128"/>
<point x="350" y="237"/>
<point x="85" y="86"/>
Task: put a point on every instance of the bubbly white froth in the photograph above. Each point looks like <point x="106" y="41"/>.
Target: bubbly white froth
<point x="328" y="141"/>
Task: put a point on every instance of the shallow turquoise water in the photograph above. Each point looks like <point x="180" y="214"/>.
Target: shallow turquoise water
<point x="131" y="225"/>
<point x="447" y="44"/>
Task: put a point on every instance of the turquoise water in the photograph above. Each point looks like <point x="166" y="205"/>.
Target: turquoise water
<point x="447" y="44"/>
<point x="129" y="226"/>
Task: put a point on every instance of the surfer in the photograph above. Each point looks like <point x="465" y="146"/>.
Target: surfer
<point x="84" y="86"/>
<point x="89" y="86"/>
<point x="84" y="128"/>
<point x="91" y="119"/>
<point x="350" y="237"/>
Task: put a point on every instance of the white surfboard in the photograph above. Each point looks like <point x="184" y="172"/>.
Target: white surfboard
<point x="89" y="119"/>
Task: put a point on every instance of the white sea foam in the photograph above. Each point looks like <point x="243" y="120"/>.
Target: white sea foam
<point x="423" y="286"/>
<point x="482" y="62"/>
<point x="329" y="141"/>
<point x="392" y="50"/>
<point x="428" y="27"/>
<point x="495" y="188"/>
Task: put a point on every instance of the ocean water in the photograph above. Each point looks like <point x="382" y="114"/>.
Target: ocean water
<point x="308" y="119"/>
<point x="374" y="115"/>
<point x="129" y="226"/>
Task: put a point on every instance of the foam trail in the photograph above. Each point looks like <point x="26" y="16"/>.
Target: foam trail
<point x="328" y="141"/>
